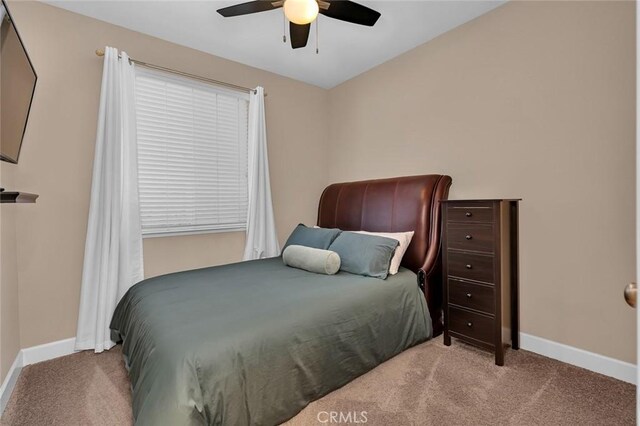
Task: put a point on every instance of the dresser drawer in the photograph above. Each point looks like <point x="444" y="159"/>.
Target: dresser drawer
<point x="472" y="266"/>
<point x="476" y="237"/>
<point x="473" y="296"/>
<point x="477" y="326"/>
<point x="480" y="212"/>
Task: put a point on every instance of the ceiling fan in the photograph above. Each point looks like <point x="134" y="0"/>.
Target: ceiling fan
<point x="301" y="13"/>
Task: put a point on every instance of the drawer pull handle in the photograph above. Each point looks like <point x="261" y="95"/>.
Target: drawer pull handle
<point x="468" y="237"/>
<point x="469" y="324"/>
<point x="468" y="214"/>
<point x="468" y="295"/>
<point x="468" y="266"/>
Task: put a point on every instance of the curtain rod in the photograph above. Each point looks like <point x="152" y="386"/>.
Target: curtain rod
<point x="100" y="52"/>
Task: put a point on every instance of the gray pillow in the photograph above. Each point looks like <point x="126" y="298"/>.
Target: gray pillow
<point x="362" y="254"/>
<point x="311" y="259"/>
<point x="320" y="238"/>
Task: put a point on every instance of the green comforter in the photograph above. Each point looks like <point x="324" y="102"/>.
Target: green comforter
<point x="255" y="342"/>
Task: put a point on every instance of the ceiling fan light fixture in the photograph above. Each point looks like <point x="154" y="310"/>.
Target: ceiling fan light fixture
<point x="301" y="12"/>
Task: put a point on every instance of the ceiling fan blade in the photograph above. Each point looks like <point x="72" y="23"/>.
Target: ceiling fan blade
<point x="299" y="34"/>
<point x="249" y="7"/>
<point x="349" y="11"/>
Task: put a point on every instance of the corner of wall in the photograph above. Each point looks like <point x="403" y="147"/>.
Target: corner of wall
<point x="9" y="319"/>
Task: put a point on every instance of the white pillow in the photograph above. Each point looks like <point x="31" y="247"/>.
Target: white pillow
<point x="404" y="238"/>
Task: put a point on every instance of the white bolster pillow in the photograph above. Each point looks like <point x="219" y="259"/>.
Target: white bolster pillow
<point x="312" y="259"/>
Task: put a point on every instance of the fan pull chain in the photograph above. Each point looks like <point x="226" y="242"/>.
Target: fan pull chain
<point x="317" y="32"/>
<point x="284" y="28"/>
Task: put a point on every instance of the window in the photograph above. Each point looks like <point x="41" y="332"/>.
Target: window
<point x="192" y="155"/>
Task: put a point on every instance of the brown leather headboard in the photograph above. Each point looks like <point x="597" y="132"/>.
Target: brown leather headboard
<point x="409" y="203"/>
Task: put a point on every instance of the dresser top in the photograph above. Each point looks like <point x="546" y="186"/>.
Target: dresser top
<point x="479" y="200"/>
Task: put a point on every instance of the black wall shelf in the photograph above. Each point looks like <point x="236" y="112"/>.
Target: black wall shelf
<point x="17" y="197"/>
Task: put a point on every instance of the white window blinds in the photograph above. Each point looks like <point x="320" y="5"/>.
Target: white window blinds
<point x="192" y="154"/>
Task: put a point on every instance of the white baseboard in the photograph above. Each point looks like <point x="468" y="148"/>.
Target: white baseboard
<point x="30" y="356"/>
<point x="579" y="357"/>
<point x="10" y="381"/>
<point x="48" y="351"/>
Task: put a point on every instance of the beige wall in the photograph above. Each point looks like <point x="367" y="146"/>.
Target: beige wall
<point x="57" y="156"/>
<point x="9" y="319"/>
<point x="9" y="323"/>
<point x="533" y="100"/>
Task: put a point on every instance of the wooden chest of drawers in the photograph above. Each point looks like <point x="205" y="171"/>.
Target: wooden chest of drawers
<point x="480" y="259"/>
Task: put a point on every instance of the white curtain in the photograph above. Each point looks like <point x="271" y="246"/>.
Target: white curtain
<point x="262" y="240"/>
<point x="113" y="249"/>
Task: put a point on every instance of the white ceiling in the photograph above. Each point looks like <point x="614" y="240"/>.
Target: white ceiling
<point x="346" y="49"/>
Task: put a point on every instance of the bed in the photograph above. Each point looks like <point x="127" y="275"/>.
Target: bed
<point x="255" y="342"/>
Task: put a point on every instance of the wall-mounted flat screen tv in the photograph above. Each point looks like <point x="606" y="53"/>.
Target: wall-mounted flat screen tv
<point x="17" y="85"/>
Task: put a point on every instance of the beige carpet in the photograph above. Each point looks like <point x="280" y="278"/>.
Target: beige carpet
<point x="430" y="384"/>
